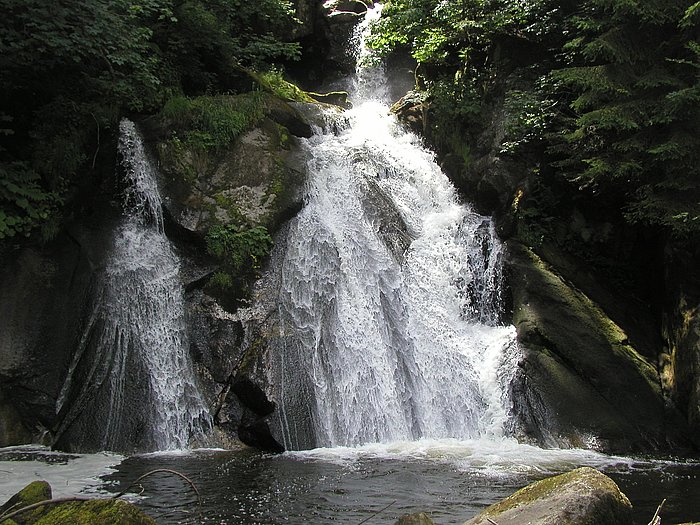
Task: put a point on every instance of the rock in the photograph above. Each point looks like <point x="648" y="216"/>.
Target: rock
<point x="412" y="110"/>
<point x="102" y="512"/>
<point x="44" y="292"/>
<point x="256" y="181"/>
<point x="681" y="331"/>
<point x="580" y="383"/>
<point x="12" y="430"/>
<point x="581" y="497"/>
<point x="97" y="511"/>
<point x="419" y="518"/>
<point x="348" y="6"/>
<point x="344" y="17"/>
<point x="35" y="492"/>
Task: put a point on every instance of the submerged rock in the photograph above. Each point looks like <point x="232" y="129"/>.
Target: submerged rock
<point x="419" y="518"/>
<point x="581" y="497"/>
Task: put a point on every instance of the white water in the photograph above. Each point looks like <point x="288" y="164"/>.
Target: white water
<point x="68" y="474"/>
<point x="396" y="345"/>
<point x="140" y="383"/>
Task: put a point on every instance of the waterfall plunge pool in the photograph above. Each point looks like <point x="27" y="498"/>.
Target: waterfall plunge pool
<point x="448" y="479"/>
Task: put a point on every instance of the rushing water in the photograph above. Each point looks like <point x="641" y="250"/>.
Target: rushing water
<point x="389" y="317"/>
<point x="390" y="293"/>
<point x="131" y="385"/>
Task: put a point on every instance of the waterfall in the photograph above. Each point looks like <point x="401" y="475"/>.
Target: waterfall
<point x="131" y="384"/>
<point x="389" y="294"/>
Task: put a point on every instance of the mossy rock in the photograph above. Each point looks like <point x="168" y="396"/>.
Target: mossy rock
<point x="581" y="383"/>
<point x="420" y="518"/>
<point x="35" y="492"/>
<point x="581" y="497"/>
<point x="96" y="512"/>
<point x="89" y="512"/>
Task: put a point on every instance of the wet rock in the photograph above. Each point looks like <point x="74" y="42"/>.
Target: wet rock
<point x="12" y="430"/>
<point x="580" y="382"/>
<point x="44" y="296"/>
<point x="419" y="518"/>
<point x="581" y="497"/>
<point x="347" y="6"/>
<point x="102" y="511"/>
<point x="412" y="110"/>
<point x="35" y="492"/>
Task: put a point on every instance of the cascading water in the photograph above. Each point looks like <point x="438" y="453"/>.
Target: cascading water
<point x="390" y="293"/>
<point x="131" y="384"/>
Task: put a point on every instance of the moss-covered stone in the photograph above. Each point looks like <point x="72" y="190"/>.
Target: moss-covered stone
<point x="96" y="512"/>
<point x="419" y="518"/>
<point x="90" y="512"/>
<point x="581" y="497"/>
<point x="33" y="493"/>
<point x="581" y="382"/>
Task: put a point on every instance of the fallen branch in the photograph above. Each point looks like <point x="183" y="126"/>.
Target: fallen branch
<point x="156" y="471"/>
<point x="376" y="513"/>
<point x="656" y="520"/>
<point x="491" y="521"/>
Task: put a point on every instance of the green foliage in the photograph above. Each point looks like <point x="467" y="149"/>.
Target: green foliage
<point x="241" y="250"/>
<point x="274" y="82"/>
<point x="71" y="69"/>
<point x="636" y="120"/>
<point x="211" y="122"/>
<point x="23" y="202"/>
<point x="616" y="109"/>
<point x="528" y="120"/>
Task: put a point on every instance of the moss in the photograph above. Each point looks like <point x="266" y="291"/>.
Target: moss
<point x="35" y="492"/>
<point x="96" y="512"/>
<point x="590" y="479"/>
<point x="274" y="82"/>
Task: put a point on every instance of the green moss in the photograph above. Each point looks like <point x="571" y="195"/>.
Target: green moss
<point x="35" y="492"/>
<point x="213" y="122"/>
<point x="96" y="512"/>
<point x="274" y="82"/>
<point x="546" y="487"/>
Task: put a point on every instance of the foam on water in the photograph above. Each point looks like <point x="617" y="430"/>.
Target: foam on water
<point x="68" y="474"/>
<point x="503" y="457"/>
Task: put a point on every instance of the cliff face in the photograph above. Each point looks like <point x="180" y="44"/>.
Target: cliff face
<point x="608" y="314"/>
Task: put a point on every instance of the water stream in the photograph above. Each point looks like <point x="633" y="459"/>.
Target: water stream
<point x="392" y="363"/>
<point x="131" y="385"/>
<point x="390" y="293"/>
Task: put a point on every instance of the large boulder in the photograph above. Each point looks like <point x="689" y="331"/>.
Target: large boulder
<point x="44" y="294"/>
<point x="580" y="383"/>
<point x="581" y="497"/>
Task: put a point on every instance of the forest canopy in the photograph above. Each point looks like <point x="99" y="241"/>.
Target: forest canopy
<point x="71" y="68"/>
<point x="616" y="107"/>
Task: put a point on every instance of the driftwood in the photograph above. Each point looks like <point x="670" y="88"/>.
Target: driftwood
<point x="656" y="520"/>
<point x="377" y="513"/>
